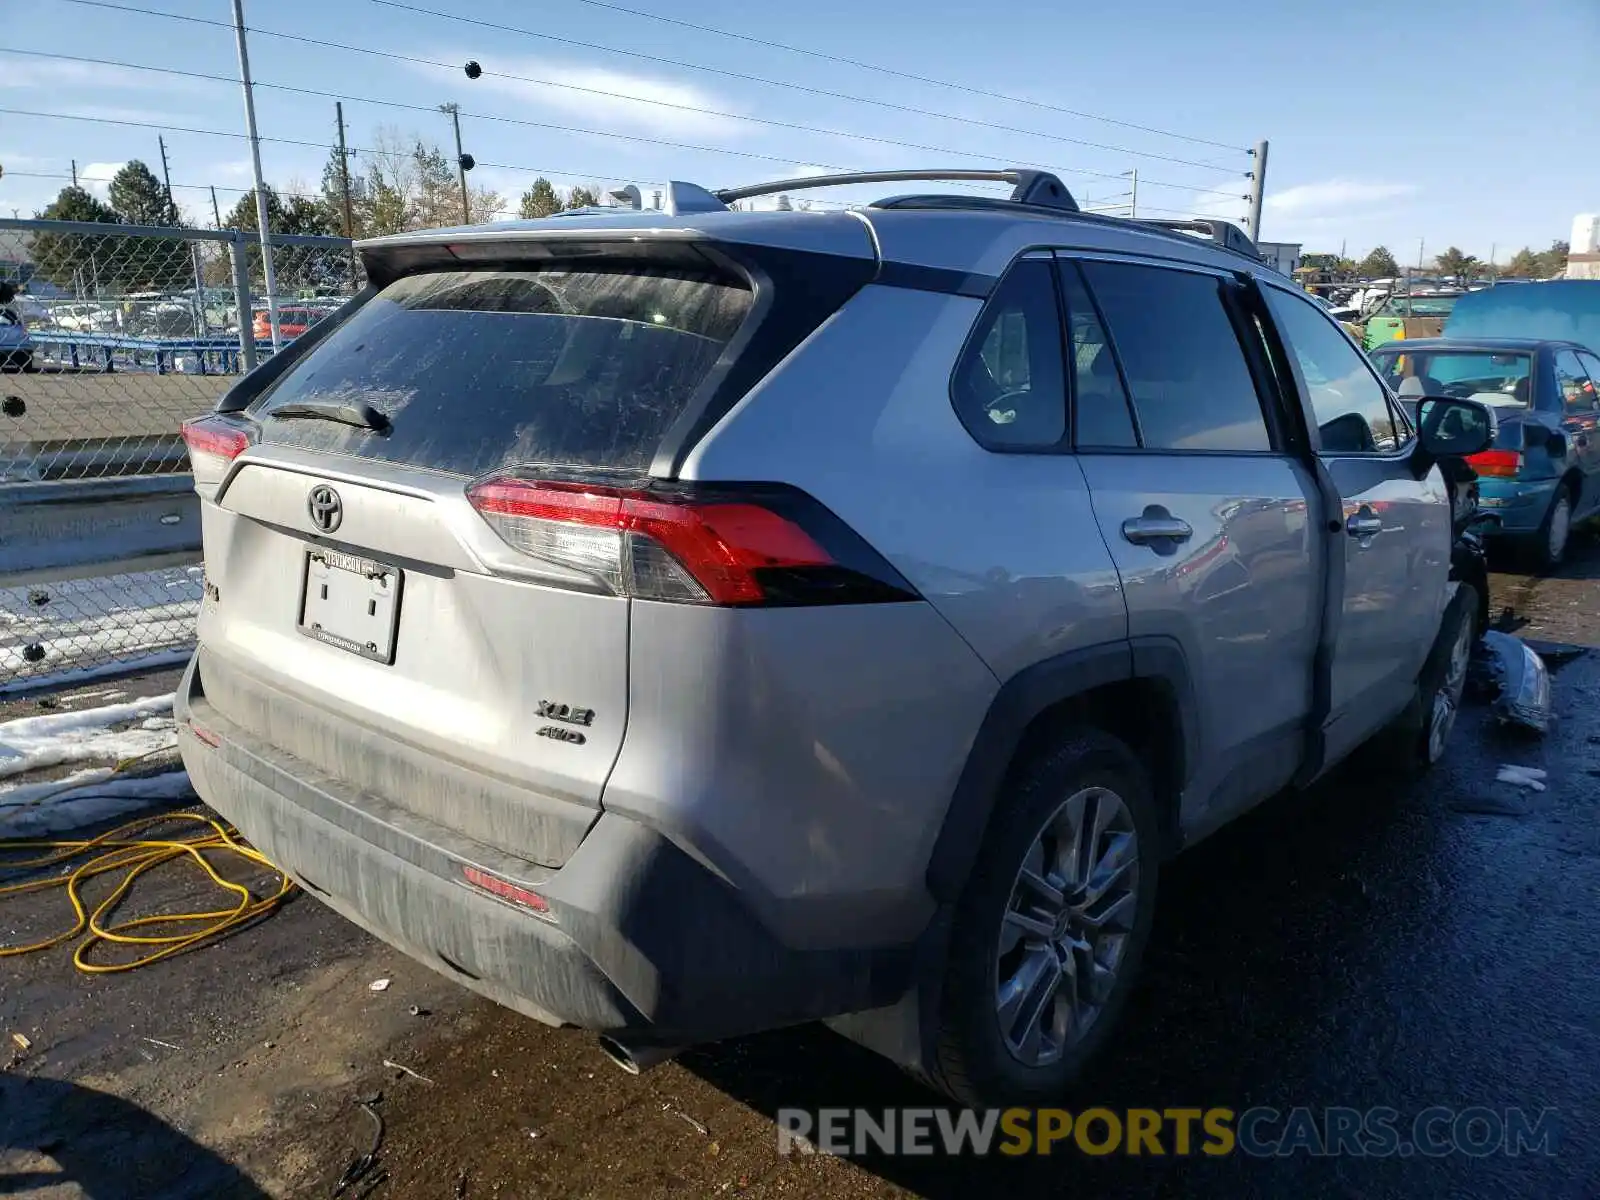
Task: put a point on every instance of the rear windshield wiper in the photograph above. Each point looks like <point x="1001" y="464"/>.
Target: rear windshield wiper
<point x="362" y="416"/>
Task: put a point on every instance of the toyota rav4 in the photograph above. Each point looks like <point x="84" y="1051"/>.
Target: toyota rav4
<point x="683" y="623"/>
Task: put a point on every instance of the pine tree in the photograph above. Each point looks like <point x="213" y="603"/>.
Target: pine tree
<point x="438" y="195"/>
<point x="333" y="179"/>
<point x="242" y="216"/>
<point x="1524" y="264"/>
<point x="86" y="265"/>
<point x="304" y="215"/>
<point x="139" y="198"/>
<point x="582" y="197"/>
<point x="1380" y="264"/>
<point x="1554" y="260"/>
<point x="540" y="200"/>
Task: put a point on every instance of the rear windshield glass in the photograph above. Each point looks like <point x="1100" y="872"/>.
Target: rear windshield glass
<point x="1498" y="379"/>
<point x="477" y="370"/>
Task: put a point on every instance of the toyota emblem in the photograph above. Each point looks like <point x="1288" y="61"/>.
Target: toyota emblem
<point x="326" y="509"/>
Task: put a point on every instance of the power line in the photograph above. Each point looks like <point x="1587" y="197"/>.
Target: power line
<point x="107" y="4"/>
<point x="523" y="121"/>
<point x="891" y="71"/>
<point x="814" y="91"/>
<point x="615" y="96"/>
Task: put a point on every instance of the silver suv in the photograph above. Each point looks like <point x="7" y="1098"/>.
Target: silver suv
<point x="678" y="624"/>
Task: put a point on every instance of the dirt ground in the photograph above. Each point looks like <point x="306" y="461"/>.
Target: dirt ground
<point x="1364" y="945"/>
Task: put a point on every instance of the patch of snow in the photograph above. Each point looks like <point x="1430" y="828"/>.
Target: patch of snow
<point x="84" y="736"/>
<point x="1528" y="777"/>
<point x="84" y="798"/>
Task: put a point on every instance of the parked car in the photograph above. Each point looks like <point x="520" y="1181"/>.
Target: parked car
<point x="84" y="318"/>
<point x="293" y="320"/>
<point x="680" y="624"/>
<point x="16" y="345"/>
<point x="1543" y="472"/>
<point x="1563" y="309"/>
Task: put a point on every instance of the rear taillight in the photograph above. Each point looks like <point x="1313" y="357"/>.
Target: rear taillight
<point x="213" y="443"/>
<point x="696" y="545"/>
<point x="1496" y="464"/>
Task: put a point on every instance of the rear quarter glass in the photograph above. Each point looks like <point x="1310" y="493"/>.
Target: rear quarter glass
<point x="478" y="370"/>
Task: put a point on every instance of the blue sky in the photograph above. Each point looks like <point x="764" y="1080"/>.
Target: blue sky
<point x="1390" y="121"/>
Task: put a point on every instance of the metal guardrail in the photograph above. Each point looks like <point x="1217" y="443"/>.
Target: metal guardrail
<point x="134" y="330"/>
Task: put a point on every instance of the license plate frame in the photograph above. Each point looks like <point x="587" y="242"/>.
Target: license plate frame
<point x="334" y="586"/>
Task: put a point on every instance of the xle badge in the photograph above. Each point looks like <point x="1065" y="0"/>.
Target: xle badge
<point x="551" y="711"/>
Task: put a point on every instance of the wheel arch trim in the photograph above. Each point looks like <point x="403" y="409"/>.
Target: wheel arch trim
<point x="1020" y="700"/>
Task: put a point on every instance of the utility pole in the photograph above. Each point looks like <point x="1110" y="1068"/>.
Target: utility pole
<point x="1258" y="190"/>
<point x="74" y="172"/>
<point x="344" y="170"/>
<point x="1133" y="198"/>
<point x="166" y="176"/>
<point x="454" y="110"/>
<point x="270" y="276"/>
<point x="215" y="211"/>
<point x="1421" y="245"/>
<point x="344" y="187"/>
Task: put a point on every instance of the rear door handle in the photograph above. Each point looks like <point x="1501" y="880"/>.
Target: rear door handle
<point x="1156" y="527"/>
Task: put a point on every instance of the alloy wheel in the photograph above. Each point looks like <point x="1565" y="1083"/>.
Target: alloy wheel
<point x="1067" y="926"/>
<point x="1447" y="700"/>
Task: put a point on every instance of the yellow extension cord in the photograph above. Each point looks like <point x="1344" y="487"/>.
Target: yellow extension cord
<point x="119" y="850"/>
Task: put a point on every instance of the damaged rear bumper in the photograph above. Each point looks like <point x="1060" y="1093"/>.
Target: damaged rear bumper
<point x="639" y="936"/>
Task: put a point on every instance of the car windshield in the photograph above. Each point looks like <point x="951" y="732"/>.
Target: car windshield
<point x="1498" y="379"/>
<point x="1419" y="306"/>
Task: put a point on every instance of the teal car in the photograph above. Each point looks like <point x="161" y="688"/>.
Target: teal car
<point x="1543" y="471"/>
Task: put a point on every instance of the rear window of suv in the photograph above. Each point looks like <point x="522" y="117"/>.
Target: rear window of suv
<point x="477" y="370"/>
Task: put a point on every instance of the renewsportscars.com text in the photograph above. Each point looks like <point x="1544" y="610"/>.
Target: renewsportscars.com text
<point x="1260" y="1132"/>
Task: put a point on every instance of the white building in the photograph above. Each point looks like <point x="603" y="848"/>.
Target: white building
<point x="1281" y="256"/>
<point x="1583" y="261"/>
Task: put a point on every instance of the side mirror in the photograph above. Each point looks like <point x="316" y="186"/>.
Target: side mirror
<point x="8" y="291"/>
<point x="1449" y="427"/>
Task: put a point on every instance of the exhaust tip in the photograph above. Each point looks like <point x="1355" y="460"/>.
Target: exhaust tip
<point x="633" y="1058"/>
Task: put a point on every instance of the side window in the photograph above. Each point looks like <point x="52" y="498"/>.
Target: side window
<point x="1190" y="383"/>
<point x="1354" y="412"/>
<point x="1576" y="384"/>
<point x="1010" y="385"/>
<point x="1102" y="416"/>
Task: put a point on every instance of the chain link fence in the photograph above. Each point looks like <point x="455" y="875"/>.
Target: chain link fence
<point x="116" y="336"/>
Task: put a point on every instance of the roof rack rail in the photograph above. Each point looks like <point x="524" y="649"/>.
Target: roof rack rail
<point x="1039" y="188"/>
<point x="1223" y="233"/>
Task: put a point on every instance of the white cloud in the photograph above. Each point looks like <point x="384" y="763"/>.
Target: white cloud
<point x="96" y="177"/>
<point x="49" y="73"/>
<point x="601" y="97"/>
<point x="1333" y="196"/>
<point x="138" y="116"/>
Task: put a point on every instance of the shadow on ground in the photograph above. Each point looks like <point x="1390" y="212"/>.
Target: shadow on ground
<point x="58" y="1135"/>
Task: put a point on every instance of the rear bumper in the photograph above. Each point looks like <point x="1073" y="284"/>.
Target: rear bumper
<point x="1520" y="504"/>
<point x="639" y="937"/>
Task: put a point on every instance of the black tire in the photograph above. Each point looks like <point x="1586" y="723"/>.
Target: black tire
<point x="1407" y="747"/>
<point x="973" y="1063"/>
<point x="1541" y="554"/>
